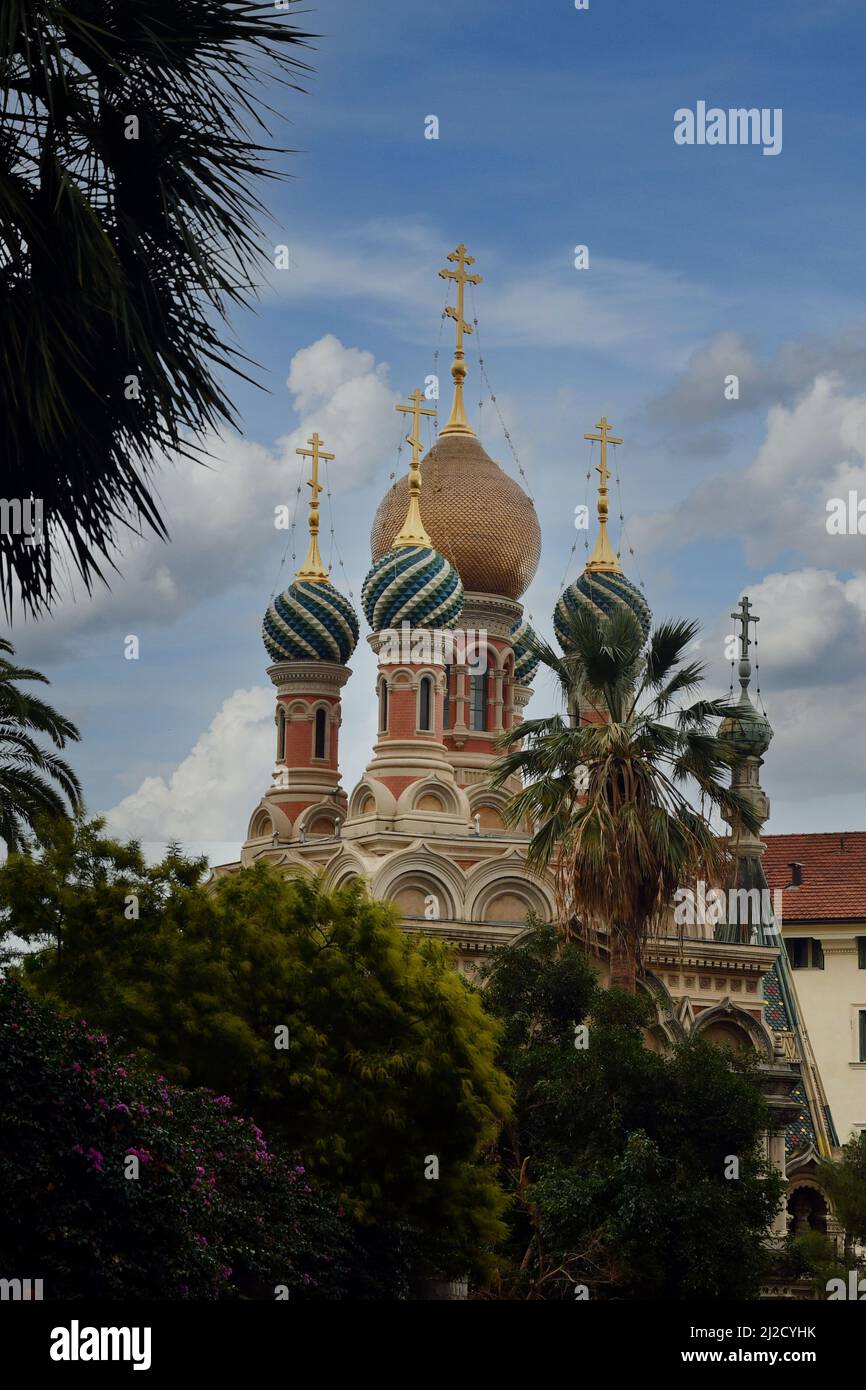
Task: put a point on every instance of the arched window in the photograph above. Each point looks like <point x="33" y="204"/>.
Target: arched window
<point x="281" y="734"/>
<point x="321" y="717"/>
<point x="478" y="701"/>
<point x="383" y="707"/>
<point x="446" y="709"/>
<point x="425" y="703"/>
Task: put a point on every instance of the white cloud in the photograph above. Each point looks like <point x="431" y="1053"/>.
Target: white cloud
<point x="617" y="305"/>
<point x="213" y="791"/>
<point x="814" y="450"/>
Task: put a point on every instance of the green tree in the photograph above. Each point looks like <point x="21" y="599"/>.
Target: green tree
<point x="387" y="1076"/>
<point x="607" y="786"/>
<point x="129" y="160"/>
<point x="844" y="1181"/>
<point x="618" y="1158"/>
<point x="28" y="771"/>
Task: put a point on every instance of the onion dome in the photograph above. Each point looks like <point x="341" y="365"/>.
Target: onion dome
<point x="412" y="584"/>
<point x="600" y="592"/>
<point x="476" y="515"/>
<point x="525" y="662"/>
<point x="310" y="621"/>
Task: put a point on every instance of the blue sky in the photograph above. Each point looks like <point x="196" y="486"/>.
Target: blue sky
<point x="556" y="129"/>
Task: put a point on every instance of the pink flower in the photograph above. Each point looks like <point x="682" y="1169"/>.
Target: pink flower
<point x="76" y="1066"/>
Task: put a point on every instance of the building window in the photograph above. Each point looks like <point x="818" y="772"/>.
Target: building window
<point x="281" y="734"/>
<point x="804" y="953"/>
<point x="863" y="1035"/>
<point x="321" y="717"/>
<point x="446" y="708"/>
<point x="861" y="952"/>
<point x="478" y="701"/>
<point x="425" y="703"/>
<point x="383" y="707"/>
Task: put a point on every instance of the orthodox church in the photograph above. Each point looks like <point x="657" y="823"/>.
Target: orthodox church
<point x="455" y="544"/>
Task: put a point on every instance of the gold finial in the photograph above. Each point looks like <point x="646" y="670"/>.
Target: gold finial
<point x="312" y="569"/>
<point x="412" y="531"/>
<point x="603" y="556"/>
<point x="458" y="424"/>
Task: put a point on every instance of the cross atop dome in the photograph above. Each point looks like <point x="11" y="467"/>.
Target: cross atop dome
<point x="458" y="424"/>
<point x="312" y="569"/>
<point x="603" y="556"/>
<point x="412" y="531"/>
<point x="743" y="615"/>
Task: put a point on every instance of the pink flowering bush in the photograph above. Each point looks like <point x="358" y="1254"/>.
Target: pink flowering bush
<point x="212" y="1213"/>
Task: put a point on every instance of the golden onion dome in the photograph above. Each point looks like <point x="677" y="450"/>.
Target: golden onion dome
<point x="476" y="516"/>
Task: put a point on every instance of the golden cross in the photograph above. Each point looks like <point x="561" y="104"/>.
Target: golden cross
<point x="458" y="424"/>
<point x="460" y="258"/>
<point x="416" y="410"/>
<point x="312" y="569"/>
<point x="603" y="438"/>
<point x="603" y="556"/>
<point x="412" y="531"/>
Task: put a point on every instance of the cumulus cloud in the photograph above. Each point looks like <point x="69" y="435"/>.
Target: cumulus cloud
<point x="212" y="792"/>
<point x="814" y="451"/>
<point x="697" y="396"/>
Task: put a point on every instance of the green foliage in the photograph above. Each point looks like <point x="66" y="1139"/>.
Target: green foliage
<point x="27" y="770"/>
<point x="212" y="1214"/>
<point x="844" y="1181"/>
<point x="129" y="159"/>
<point x="616" y="1155"/>
<point x="391" y="1057"/>
<point x="611" y="797"/>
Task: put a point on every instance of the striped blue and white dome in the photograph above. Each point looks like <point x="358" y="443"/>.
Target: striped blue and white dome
<point x="412" y="584"/>
<point x="600" y="592"/>
<point x="525" y="662"/>
<point x="310" y="622"/>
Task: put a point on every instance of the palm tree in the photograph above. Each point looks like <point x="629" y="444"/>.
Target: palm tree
<point x="606" y="786"/>
<point x="26" y="770"/>
<point x="128" y="229"/>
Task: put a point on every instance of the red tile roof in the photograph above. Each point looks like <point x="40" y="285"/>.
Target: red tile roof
<point x="833" y="875"/>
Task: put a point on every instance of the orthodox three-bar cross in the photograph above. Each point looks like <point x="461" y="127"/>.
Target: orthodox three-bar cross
<point x="603" y="438"/>
<point x="312" y="567"/>
<point x="416" y="410"/>
<point x="461" y="260"/>
<point x="743" y="615"/>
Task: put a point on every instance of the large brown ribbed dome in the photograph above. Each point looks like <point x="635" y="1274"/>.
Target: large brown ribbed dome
<point x="476" y="516"/>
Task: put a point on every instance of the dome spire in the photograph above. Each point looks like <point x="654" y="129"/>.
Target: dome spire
<point x="603" y="556"/>
<point x="458" y="424"/>
<point x="312" y="569"/>
<point x="412" y="531"/>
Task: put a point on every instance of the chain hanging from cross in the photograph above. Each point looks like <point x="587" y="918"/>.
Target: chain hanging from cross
<point x="743" y="615"/>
